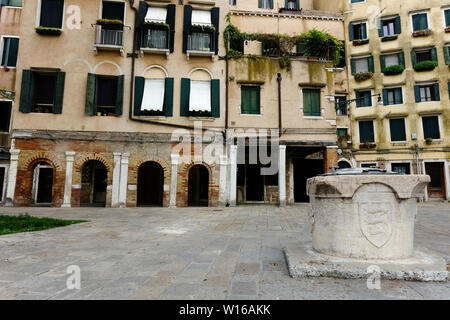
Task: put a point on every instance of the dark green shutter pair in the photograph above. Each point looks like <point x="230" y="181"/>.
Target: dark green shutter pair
<point x="366" y="132"/>
<point x="185" y="94"/>
<point x="27" y="90"/>
<point x="401" y="60"/>
<point x="370" y="62"/>
<point x="398" y="96"/>
<point x="311" y="102"/>
<point x="398" y="129"/>
<point x="437" y="96"/>
<point x="363" y="99"/>
<point x="139" y="86"/>
<point x="351" y="31"/>
<point x="250" y="100"/>
<point x="91" y="92"/>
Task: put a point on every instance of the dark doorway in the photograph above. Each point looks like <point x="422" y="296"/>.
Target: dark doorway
<point x="303" y="170"/>
<point x="43" y="183"/>
<point x="150" y="187"/>
<point x="2" y="181"/>
<point x="94" y="181"/>
<point x="344" y="165"/>
<point x="198" y="194"/>
<point x="436" y="188"/>
<point x="255" y="183"/>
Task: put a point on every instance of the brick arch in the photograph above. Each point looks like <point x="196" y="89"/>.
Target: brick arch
<point x="136" y="163"/>
<point x="31" y="162"/>
<point x="184" y="175"/>
<point x="80" y="162"/>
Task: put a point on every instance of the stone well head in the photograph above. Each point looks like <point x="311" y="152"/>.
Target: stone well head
<point x="365" y="214"/>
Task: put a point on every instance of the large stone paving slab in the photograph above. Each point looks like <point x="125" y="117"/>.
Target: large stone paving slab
<point x="197" y="253"/>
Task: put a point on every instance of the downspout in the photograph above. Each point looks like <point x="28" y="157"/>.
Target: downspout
<point x="133" y="67"/>
<point x="280" y="119"/>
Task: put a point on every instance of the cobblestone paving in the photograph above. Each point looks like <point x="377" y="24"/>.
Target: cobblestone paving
<point x="153" y="253"/>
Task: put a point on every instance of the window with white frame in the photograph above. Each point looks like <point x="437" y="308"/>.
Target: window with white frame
<point x="200" y="96"/>
<point x="51" y="15"/>
<point x="419" y="21"/>
<point x="265" y="4"/>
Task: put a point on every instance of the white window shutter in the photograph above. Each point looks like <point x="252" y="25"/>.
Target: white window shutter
<point x="200" y="97"/>
<point x="155" y="14"/>
<point x="153" y="99"/>
<point x="201" y="17"/>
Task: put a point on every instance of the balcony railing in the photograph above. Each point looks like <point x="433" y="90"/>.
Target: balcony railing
<point x="200" y="41"/>
<point x="108" y="37"/>
<point x="155" y="39"/>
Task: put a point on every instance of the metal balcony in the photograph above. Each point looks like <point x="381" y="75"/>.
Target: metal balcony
<point x="108" y="39"/>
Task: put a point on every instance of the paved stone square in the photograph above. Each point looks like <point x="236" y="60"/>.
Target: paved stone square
<point x="196" y="253"/>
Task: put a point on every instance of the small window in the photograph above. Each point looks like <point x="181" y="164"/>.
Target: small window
<point x="113" y="10"/>
<point x="358" y="31"/>
<point x="341" y="105"/>
<point x="420" y="21"/>
<point x="366" y="132"/>
<point x="392" y="96"/>
<point x="422" y="56"/>
<point x="447" y="17"/>
<point x="10" y="50"/>
<point x="106" y="95"/>
<point x="292" y="4"/>
<point x="265" y="4"/>
<point x="398" y="130"/>
<point x="391" y="60"/>
<point x="13" y="3"/>
<point x="357" y="1"/>
<point x="232" y="2"/>
<point x="364" y="99"/>
<point x="250" y="100"/>
<point x="5" y="116"/>
<point x="311" y="102"/>
<point x="427" y="92"/>
<point x="369" y="165"/>
<point x="431" y="127"/>
<point x="44" y="92"/>
<point x="52" y="12"/>
<point x="388" y="27"/>
<point x="200" y="96"/>
<point x="362" y="65"/>
<point x="342" y="132"/>
<point x="401" y="168"/>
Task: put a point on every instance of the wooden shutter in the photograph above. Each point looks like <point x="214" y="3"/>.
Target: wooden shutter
<point x="398" y="95"/>
<point x="385" y="97"/>
<point x="437" y="96"/>
<point x="434" y="54"/>
<point x="431" y="127"/>
<point x="401" y="59"/>
<point x="90" y="94"/>
<point x="353" y="66"/>
<point x="366" y="133"/>
<point x="382" y="62"/>
<point x="26" y="92"/>
<point x="413" y="57"/>
<point x="397" y="25"/>
<point x="170" y="20"/>
<point x="417" y="93"/>
<point x="358" y="99"/>
<point x="168" y="97"/>
<point x="142" y="12"/>
<point x="215" y="98"/>
<point x="397" y="128"/>
<point x="59" y="94"/>
<point x="271" y="4"/>
<point x="364" y="30"/>
<point x="351" y="34"/>
<point x="186" y="26"/>
<point x="184" y="97"/>
<point x="447" y="54"/>
<point x="371" y="64"/>
<point x="215" y="17"/>
<point x="139" y="84"/>
<point x="307" y="110"/>
<point x="380" y="28"/>
<point x="119" y="97"/>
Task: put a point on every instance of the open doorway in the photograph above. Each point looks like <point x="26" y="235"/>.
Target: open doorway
<point x="150" y="186"/>
<point x="42" y="192"/>
<point x="93" y="184"/>
<point x="436" y="188"/>
<point x="303" y="170"/>
<point x="2" y="182"/>
<point x="198" y="186"/>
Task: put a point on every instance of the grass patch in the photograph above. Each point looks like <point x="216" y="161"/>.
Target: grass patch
<point x="26" y="223"/>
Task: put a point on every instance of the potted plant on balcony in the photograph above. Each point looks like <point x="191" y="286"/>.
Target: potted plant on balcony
<point x="110" y="22"/>
<point x="363" y="76"/>
<point x="367" y="145"/>
<point x="393" y="70"/>
<point x="48" y="31"/>
<point x="360" y="42"/>
<point x="389" y="38"/>
<point x="429" y="140"/>
<point x="425" y="66"/>
<point x="422" y="33"/>
<point x="157" y="25"/>
<point x="202" y="28"/>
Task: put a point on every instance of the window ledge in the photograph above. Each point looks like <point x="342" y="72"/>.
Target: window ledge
<point x="314" y="117"/>
<point x="196" y="53"/>
<point x="106" y="47"/>
<point x="399" y="143"/>
<point x="201" y="119"/>
<point x="165" y="52"/>
<point x="159" y="118"/>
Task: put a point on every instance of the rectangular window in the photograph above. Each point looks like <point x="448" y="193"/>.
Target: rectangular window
<point x="232" y="2"/>
<point x="44" y="92"/>
<point x="430" y="126"/>
<point x="363" y="99"/>
<point x="200" y="96"/>
<point x="398" y="130"/>
<point x="265" y="4"/>
<point x="423" y="56"/>
<point x="341" y="105"/>
<point x="392" y="96"/>
<point x="52" y="12"/>
<point x="427" y="92"/>
<point x="366" y="132"/>
<point x="292" y="4"/>
<point x="5" y="116"/>
<point x="388" y="27"/>
<point x="14" y="3"/>
<point x="113" y="10"/>
<point x="10" y="49"/>
<point x="201" y="18"/>
<point x="447" y="17"/>
<point x="250" y="100"/>
<point x="153" y="99"/>
<point x="362" y="65"/>
<point x="359" y="31"/>
<point x="401" y="168"/>
<point x="106" y="95"/>
<point x="311" y="102"/>
<point x="357" y="1"/>
<point x="391" y="60"/>
<point x="420" y="21"/>
<point x="342" y="132"/>
<point x="369" y="165"/>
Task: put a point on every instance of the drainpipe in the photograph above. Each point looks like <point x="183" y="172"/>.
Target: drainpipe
<point x="280" y="122"/>
<point x="133" y="67"/>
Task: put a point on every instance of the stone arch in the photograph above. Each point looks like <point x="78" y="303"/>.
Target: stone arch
<point x="76" y="60"/>
<point x="119" y="69"/>
<point x="80" y="162"/>
<point x="345" y="160"/>
<point x="31" y="162"/>
<point x="200" y="69"/>
<point x="185" y="181"/>
<point x="155" y="66"/>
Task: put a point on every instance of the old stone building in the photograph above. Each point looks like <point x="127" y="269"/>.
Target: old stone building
<point x="399" y="76"/>
<point x="10" y="13"/>
<point x="133" y="103"/>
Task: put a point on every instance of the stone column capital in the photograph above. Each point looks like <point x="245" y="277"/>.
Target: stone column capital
<point x="175" y="158"/>
<point x="14" y="154"/>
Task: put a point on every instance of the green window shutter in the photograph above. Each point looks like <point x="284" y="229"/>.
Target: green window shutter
<point x="215" y="98"/>
<point x="413" y="57"/>
<point x="385" y="97"/>
<point x="119" y="98"/>
<point x="90" y="94"/>
<point x="380" y="28"/>
<point x="447" y="17"/>
<point x="371" y="64"/>
<point x="307" y="104"/>
<point x="447" y="54"/>
<point x="26" y="92"/>
<point x="434" y="54"/>
<point x="186" y="25"/>
<point x="311" y="102"/>
<point x="170" y="20"/>
<point x="417" y="93"/>
<point x="260" y="3"/>
<point x="285" y="3"/>
<point x="449" y="90"/>
<point x="397" y="25"/>
<point x="59" y="95"/>
<point x="424" y="23"/>
<point x="364" y="30"/>
<point x="382" y="63"/>
<point x="353" y="66"/>
<point x="398" y="95"/>
<point x="139" y="85"/>
<point x="398" y="130"/>
<point x="168" y="97"/>
<point x="250" y="100"/>
<point x="416" y="23"/>
<point x="184" y="98"/>
<point x="10" y="50"/>
<point x="351" y="34"/>
<point x="368" y="98"/>
<point x="366" y="133"/>
<point x="215" y="18"/>
<point x="401" y="59"/>
<point x="437" y="96"/>
<point x="297" y="4"/>
<point x="271" y="4"/>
